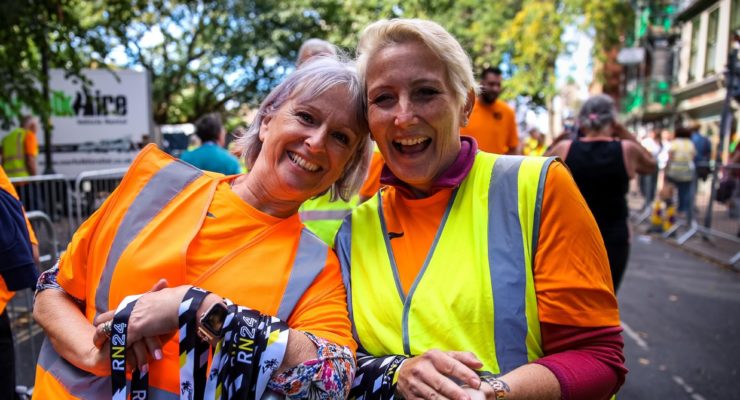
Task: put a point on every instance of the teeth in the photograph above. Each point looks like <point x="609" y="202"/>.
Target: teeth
<point x="303" y="163"/>
<point x="411" y="141"/>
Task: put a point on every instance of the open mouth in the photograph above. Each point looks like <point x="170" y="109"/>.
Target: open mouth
<point x="412" y="145"/>
<point x="302" y="162"/>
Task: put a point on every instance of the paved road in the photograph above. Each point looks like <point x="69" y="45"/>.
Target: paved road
<point x="680" y="315"/>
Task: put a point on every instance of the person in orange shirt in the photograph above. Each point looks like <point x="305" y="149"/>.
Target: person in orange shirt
<point x="237" y="236"/>
<point x="20" y="149"/>
<point x="492" y="122"/>
<point x="19" y="255"/>
<point x="471" y="274"/>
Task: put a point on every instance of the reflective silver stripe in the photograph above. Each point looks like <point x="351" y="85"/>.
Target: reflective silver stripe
<point x="343" y="248"/>
<point x="507" y="265"/>
<point x="389" y="250"/>
<point x="308" y="264"/>
<point x="407" y="301"/>
<point x="320" y="215"/>
<point x="538" y="206"/>
<point x="83" y="384"/>
<point x="167" y="183"/>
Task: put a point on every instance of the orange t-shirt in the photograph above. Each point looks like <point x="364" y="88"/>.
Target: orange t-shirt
<point x="229" y="214"/>
<point x="31" y="144"/>
<point x="493" y="127"/>
<point x="229" y="223"/>
<point x="580" y="295"/>
<point x="6" y="185"/>
<point x="372" y="182"/>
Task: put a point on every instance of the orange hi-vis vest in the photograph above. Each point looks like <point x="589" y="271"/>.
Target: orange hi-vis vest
<point x="144" y="235"/>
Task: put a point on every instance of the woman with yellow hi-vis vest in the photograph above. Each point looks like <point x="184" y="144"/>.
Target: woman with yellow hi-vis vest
<point x="471" y="274"/>
<point x="238" y="236"/>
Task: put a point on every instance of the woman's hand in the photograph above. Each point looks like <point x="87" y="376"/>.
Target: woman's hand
<point x="155" y="314"/>
<point x="428" y="375"/>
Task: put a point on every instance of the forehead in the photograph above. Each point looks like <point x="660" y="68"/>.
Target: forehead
<point x="491" y="78"/>
<point x="335" y="103"/>
<point x="400" y="63"/>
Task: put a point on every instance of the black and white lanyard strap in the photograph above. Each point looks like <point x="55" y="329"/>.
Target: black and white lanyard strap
<point x="252" y="348"/>
<point x="193" y="351"/>
<point x="119" y="330"/>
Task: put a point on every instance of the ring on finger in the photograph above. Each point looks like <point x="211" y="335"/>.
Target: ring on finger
<point x="107" y="328"/>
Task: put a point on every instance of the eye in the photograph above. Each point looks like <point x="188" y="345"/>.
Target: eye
<point x="341" y="137"/>
<point x="305" y="117"/>
<point x="382" y="99"/>
<point x="427" y="92"/>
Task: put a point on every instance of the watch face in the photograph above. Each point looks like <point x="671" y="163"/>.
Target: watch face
<point x="214" y="318"/>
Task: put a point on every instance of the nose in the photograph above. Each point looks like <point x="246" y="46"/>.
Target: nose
<point x="404" y="113"/>
<point x="316" y="140"/>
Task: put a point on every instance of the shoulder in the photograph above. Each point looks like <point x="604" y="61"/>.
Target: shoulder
<point x="503" y="107"/>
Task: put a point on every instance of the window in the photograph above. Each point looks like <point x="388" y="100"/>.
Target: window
<point x="694" y="52"/>
<point x="710" y="61"/>
<point x="734" y="15"/>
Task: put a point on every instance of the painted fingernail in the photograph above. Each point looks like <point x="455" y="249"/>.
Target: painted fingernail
<point x="157" y="354"/>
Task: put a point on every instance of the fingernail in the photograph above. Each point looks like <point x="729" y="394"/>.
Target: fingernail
<point x="145" y="368"/>
<point x="157" y="354"/>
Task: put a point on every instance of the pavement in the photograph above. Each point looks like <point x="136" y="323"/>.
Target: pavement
<point x="681" y="332"/>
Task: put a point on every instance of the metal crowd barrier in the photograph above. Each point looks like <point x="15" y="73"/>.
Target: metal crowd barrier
<point x="91" y="188"/>
<point x="49" y="194"/>
<point x="27" y="335"/>
<point x="712" y="220"/>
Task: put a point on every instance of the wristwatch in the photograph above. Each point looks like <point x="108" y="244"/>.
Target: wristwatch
<point x="211" y="324"/>
<point x="500" y="388"/>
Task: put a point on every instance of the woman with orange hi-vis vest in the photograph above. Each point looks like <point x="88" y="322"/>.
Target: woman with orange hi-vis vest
<point x="238" y="236"/>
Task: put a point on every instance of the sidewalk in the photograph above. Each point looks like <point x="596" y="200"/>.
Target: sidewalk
<point x="716" y="245"/>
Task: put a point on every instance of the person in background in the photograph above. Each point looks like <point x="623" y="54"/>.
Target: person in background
<point x="20" y="149"/>
<point x="602" y="163"/>
<point x="680" y="171"/>
<point x="315" y="47"/>
<point x="649" y="182"/>
<point x="703" y="151"/>
<point x="19" y="256"/>
<point x="441" y="264"/>
<point x="237" y="236"/>
<point x="211" y="155"/>
<point x="492" y="123"/>
<point x="535" y="143"/>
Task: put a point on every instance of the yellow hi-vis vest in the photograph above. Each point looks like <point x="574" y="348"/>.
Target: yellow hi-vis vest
<point x="475" y="291"/>
<point x="323" y="216"/>
<point x="14" y="155"/>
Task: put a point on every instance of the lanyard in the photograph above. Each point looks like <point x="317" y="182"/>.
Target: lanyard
<point x="119" y="329"/>
<point x="193" y="351"/>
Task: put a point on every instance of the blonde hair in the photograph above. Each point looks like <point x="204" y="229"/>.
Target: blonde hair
<point x="384" y="33"/>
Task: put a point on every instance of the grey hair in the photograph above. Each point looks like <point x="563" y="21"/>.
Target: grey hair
<point x="314" y="47"/>
<point x="384" y="33"/>
<point x="597" y="112"/>
<point x="311" y="80"/>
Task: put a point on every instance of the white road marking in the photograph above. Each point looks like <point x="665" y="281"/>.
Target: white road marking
<point x="634" y="336"/>
<point x="685" y="386"/>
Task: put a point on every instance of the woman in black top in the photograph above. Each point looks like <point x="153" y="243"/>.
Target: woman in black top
<point x="602" y="163"/>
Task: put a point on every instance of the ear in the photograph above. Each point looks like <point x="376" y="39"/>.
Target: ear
<point x="265" y="127"/>
<point x="468" y="107"/>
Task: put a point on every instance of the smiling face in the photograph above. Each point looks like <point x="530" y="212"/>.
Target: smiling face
<point x="306" y="146"/>
<point x="412" y="112"/>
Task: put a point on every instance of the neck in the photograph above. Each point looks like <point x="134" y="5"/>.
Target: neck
<point x="252" y="191"/>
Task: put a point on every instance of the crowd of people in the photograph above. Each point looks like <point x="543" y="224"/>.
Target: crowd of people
<point x="387" y="241"/>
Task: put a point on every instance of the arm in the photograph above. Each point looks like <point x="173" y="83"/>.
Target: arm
<point x="575" y="293"/>
<point x="31" y="165"/>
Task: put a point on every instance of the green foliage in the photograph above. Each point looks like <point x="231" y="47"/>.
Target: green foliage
<point x="206" y="56"/>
